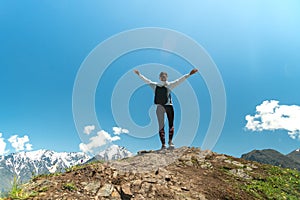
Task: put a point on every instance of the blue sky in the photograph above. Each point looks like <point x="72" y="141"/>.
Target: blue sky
<point x="254" y="44"/>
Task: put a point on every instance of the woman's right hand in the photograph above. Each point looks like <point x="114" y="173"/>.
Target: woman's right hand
<point x="136" y="71"/>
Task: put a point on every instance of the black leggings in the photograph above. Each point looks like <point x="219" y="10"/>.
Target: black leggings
<point x="160" y="113"/>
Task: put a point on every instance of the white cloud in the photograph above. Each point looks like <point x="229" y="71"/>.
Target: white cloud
<point x="83" y="147"/>
<point x="28" y="147"/>
<point x="88" y="129"/>
<point x="272" y="116"/>
<point x="119" y="130"/>
<point x="102" y="138"/>
<point x="18" y="143"/>
<point x="2" y="146"/>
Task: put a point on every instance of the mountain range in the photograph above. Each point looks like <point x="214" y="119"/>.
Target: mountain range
<point x="273" y="157"/>
<point x="114" y="152"/>
<point x="25" y="165"/>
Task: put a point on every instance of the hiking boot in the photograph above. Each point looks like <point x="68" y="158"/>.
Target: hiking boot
<point x="163" y="147"/>
<point x="171" y="145"/>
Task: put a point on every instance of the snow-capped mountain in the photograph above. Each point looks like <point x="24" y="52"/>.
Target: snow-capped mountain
<point x="24" y="165"/>
<point x="114" y="152"/>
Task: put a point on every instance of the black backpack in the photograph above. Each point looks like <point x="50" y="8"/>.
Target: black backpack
<point x="161" y="95"/>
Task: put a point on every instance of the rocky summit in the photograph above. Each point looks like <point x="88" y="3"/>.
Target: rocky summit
<point x="183" y="173"/>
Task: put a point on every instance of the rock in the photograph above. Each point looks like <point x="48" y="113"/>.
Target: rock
<point x="115" y="194"/>
<point x="106" y="190"/>
<point x="168" y="178"/>
<point x="185" y="189"/>
<point x="115" y="174"/>
<point x="83" y="183"/>
<point x="162" y="171"/>
<point x="252" y="166"/>
<point x="238" y="164"/>
<point x="201" y="196"/>
<point x="136" y="185"/>
<point x="42" y="194"/>
<point x="185" y="158"/>
<point x="206" y="165"/>
<point x="175" y="188"/>
<point x="126" y="189"/>
<point x="144" y="152"/>
<point x="227" y="161"/>
<point x="221" y="158"/>
<point x="145" y="188"/>
<point x="151" y="180"/>
<point x="92" y="187"/>
<point x="140" y="196"/>
<point x="189" y="163"/>
<point x="206" y="154"/>
<point x="240" y="173"/>
<point x="248" y="168"/>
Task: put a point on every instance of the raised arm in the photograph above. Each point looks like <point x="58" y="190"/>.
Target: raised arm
<point x="146" y="80"/>
<point x="178" y="81"/>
